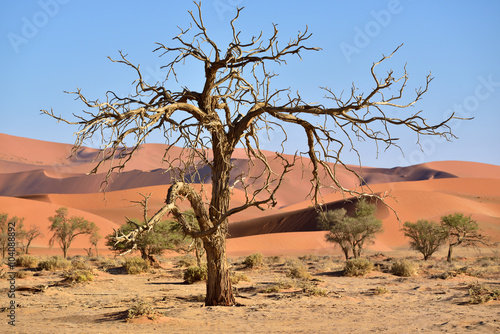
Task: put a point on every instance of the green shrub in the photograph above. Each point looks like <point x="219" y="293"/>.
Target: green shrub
<point x="54" y="263"/>
<point x="404" y="268"/>
<point x="254" y="260"/>
<point x="135" y="265"/>
<point x="195" y="274"/>
<point x="358" y="267"/>
<point x="27" y="261"/>
<point x="79" y="276"/>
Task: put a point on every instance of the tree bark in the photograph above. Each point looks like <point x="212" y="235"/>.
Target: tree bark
<point x="219" y="290"/>
<point x="450" y="252"/>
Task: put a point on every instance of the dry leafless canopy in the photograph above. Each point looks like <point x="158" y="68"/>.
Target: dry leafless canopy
<point x="236" y="105"/>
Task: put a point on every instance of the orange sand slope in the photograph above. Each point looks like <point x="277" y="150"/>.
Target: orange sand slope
<point x="37" y="177"/>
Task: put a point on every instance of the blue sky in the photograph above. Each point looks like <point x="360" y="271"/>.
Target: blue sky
<point x="51" y="46"/>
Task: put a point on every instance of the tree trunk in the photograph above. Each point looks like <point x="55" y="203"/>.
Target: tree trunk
<point x="65" y="251"/>
<point x="219" y="290"/>
<point x="450" y="252"/>
<point x="27" y="246"/>
<point x="346" y="252"/>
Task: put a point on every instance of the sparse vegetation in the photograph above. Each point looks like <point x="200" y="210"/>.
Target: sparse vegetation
<point x="238" y="277"/>
<point x="54" y="263"/>
<point x="79" y="276"/>
<point x="142" y="308"/>
<point x="135" y="265"/>
<point x="65" y="229"/>
<point x="23" y="274"/>
<point x="6" y="233"/>
<point x="481" y="293"/>
<point x="164" y="235"/>
<point x="30" y="235"/>
<point x="404" y="268"/>
<point x="195" y="274"/>
<point x="380" y="290"/>
<point x="426" y="236"/>
<point x="282" y="284"/>
<point x="358" y="267"/>
<point x="254" y="261"/>
<point x="462" y="230"/>
<point x="297" y="269"/>
<point x="187" y="260"/>
<point x="351" y="233"/>
<point x="27" y="261"/>
<point x="80" y="262"/>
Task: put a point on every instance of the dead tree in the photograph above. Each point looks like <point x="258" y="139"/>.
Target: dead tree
<point x="237" y="104"/>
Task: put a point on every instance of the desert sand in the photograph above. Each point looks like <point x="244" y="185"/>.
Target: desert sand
<point x="36" y="178"/>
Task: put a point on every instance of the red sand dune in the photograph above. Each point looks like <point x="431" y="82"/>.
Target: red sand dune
<point x="37" y="213"/>
<point x="36" y="178"/>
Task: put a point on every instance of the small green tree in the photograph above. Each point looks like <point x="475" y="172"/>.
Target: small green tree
<point x="351" y="233"/>
<point x="67" y="228"/>
<point x="164" y="235"/>
<point x="5" y="223"/>
<point x="30" y="235"/>
<point x="462" y="230"/>
<point x="426" y="236"/>
<point x="94" y="240"/>
<point x="338" y="224"/>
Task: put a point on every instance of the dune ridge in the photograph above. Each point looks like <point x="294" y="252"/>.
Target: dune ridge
<point x="36" y="177"/>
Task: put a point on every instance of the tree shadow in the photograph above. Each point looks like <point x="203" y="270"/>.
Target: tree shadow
<point x="338" y="273"/>
<point x="112" y="316"/>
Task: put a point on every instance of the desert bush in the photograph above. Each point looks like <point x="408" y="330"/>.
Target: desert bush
<point x="310" y="258"/>
<point x="313" y="290"/>
<point x="480" y="293"/>
<point x="238" y="277"/>
<point x="280" y="285"/>
<point x="404" y="268"/>
<point x="79" y="276"/>
<point x="142" y="308"/>
<point x="253" y="261"/>
<point x="54" y="263"/>
<point x="27" y="261"/>
<point x="22" y="274"/>
<point x="80" y="263"/>
<point x="195" y="274"/>
<point x="135" y="265"/>
<point x="187" y="260"/>
<point x="380" y="290"/>
<point x="106" y="263"/>
<point x="297" y="269"/>
<point x="358" y="267"/>
<point x="453" y="272"/>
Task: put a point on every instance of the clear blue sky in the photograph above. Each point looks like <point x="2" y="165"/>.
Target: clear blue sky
<point x="50" y="46"/>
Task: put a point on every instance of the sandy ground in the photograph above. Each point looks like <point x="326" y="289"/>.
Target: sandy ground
<point x="378" y="302"/>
